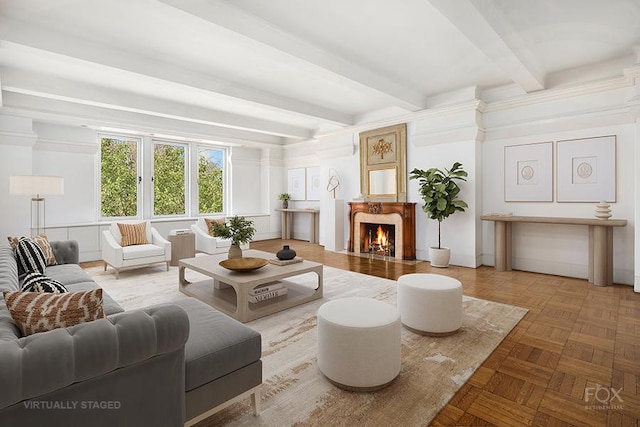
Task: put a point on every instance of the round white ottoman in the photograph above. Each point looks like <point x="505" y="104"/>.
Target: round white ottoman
<point x="430" y="304"/>
<point x="359" y="343"/>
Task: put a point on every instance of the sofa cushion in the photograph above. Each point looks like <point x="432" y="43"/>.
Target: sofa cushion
<point x="38" y="282"/>
<point x="68" y="274"/>
<point x="217" y="345"/>
<point x="109" y="305"/>
<point x="141" y="251"/>
<point x="36" y="312"/>
<point x="30" y="257"/>
<point x="42" y="241"/>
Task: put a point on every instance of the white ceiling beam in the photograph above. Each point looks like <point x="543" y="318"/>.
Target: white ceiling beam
<point x="57" y="111"/>
<point x="44" y="86"/>
<point x="485" y="32"/>
<point x="15" y="37"/>
<point x="228" y="16"/>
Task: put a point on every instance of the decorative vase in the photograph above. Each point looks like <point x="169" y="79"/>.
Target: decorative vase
<point x="235" y="251"/>
<point x="603" y="210"/>
<point x="285" y="253"/>
<point x="439" y="257"/>
<point x="285" y="204"/>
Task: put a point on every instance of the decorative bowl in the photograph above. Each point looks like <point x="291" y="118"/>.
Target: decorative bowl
<point x="243" y="264"/>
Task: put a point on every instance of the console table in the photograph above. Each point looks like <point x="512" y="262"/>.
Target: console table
<point x="600" y="242"/>
<point x="287" y="222"/>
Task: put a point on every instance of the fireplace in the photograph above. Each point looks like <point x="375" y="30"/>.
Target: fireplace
<point x="394" y="219"/>
<point x="377" y="239"/>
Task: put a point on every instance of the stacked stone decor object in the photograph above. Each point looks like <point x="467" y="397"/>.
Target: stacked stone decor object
<point x="603" y="210"/>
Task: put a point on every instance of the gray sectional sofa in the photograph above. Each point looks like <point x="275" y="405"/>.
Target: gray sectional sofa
<point x="163" y="366"/>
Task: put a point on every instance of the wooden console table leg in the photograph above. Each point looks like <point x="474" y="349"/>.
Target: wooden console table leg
<point x="600" y="255"/>
<point x="502" y="245"/>
<point x="312" y="228"/>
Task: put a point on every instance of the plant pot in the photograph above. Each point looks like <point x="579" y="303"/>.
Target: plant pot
<point x="439" y="257"/>
<point x="285" y="204"/>
<point x="235" y="251"/>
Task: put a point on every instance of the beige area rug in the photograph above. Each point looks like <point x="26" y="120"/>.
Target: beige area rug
<point x="296" y="393"/>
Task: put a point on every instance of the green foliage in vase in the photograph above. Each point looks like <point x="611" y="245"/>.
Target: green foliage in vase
<point x="439" y="191"/>
<point x="284" y="197"/>
<point x="238" y="229"/>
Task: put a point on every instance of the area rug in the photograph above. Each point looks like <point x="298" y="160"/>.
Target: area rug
<point x="296" y="393"/>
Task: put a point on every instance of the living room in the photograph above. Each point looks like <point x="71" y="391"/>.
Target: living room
<point x="469" y="87"/>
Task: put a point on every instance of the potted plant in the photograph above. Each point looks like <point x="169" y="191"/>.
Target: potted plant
<point x="285" y="197"/>
<point x="238" y="229"/>
<point x="439" y="190"/>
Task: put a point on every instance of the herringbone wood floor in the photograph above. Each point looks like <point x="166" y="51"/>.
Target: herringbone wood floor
<point x="577" y="340"/>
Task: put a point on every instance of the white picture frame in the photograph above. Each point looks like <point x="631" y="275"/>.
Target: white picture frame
<point x="296" y="185"/>
<point x="586" y="169"/>
<point x="528" y="172"/>
<point x="313" y="183"/>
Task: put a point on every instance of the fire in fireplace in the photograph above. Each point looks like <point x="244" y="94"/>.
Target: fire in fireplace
<point x="377" y="239"/>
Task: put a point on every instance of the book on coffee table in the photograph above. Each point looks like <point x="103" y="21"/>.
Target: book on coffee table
<point x="267" y="295"/>
<point x="269" y="287"/>
<point x="277" y="261"/>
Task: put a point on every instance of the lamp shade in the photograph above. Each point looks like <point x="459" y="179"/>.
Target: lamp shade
<point x="36" y="184"/>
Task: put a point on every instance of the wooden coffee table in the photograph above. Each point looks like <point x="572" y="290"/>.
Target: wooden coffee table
<point x="229" y="291"/>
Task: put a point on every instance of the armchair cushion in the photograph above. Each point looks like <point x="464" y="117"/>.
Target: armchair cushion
<point x="117" y="235"/>
<point x="142" y="251"/>
<point x="40" y="312"/>
<point x="133" y="234"/>
<point x="209" y="221"/>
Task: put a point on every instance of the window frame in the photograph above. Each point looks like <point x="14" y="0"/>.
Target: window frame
<point x="186" y="146"/>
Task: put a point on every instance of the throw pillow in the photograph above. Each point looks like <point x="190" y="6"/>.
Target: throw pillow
<point x="40" y="312"/>
<point x="37" y="282"/>
<point x="30" y="257"/>
<point x="133" y="234"/>
<point x="209" y="221"/>
<point x="42" y="241"/>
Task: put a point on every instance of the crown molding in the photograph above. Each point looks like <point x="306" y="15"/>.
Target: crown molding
<point x="49" y="144"/>
<point x="23" y="139"/>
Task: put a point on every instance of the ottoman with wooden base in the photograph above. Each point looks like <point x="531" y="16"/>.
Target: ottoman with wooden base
<point x="430" y="304"/>
<point x="359" y="343"/>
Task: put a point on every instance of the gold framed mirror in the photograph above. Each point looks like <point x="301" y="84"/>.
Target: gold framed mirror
<point x="383" y="160"/>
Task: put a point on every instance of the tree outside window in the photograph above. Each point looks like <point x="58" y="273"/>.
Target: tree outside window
<point x="169" y="184"/>
<point x="119" y="177"/>
<point x="210" y="180"/>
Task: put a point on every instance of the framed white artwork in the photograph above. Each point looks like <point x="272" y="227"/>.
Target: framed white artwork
<point x="528" y="172"/>
<point x="296" y="183"/>
<point x="586" y="169"/>
<point x="313" y="183"/>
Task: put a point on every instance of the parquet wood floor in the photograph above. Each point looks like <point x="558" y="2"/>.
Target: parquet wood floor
<point x="573" y="360"/>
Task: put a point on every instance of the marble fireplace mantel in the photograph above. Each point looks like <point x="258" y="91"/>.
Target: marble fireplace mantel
<point x="403" y="215"/>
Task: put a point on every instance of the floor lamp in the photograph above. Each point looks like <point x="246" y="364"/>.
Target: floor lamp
<point x="36" y="186"/>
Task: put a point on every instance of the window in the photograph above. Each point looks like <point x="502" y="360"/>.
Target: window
<point x="169" y="179"/>
<point x="146" y="178"/>
<point x="119" y="171"/>
<point x="210" y="180"/>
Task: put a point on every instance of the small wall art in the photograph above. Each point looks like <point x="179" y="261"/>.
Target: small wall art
<point x="528" y="172"/>
<point x="313" y="183"/>
<point x="296" y="183"/>
<point x="586" y="169"/>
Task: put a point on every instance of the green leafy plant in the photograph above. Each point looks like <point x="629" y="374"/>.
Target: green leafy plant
<point x="284" y="197"/>
<point x="238" y="229"/>
<point x="439" y="190"/>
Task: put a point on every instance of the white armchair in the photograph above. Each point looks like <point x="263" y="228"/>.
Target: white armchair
<point x="210" y="244"/>
<point x="121" y="257"/>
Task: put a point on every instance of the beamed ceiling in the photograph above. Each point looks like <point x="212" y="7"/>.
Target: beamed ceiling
<point x="282" y="71"/>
